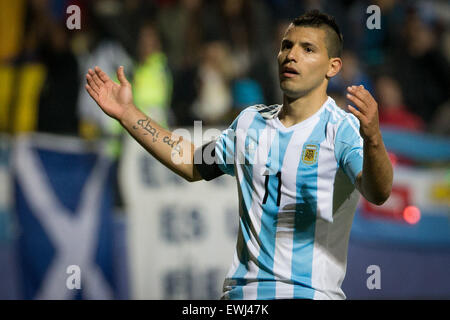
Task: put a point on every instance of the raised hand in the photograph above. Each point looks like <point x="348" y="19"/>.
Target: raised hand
<point x="375" y="180"/>
<point x="114" y="99"/>
<point x="367" y="112"/>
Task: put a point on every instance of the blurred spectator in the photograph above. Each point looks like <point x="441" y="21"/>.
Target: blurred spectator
<point x="233" y="26"/>
<point x="185" y="89"/>
<point x="47" y="94"/>
<point x="120" y="19"/>
<point x="35" y="94"/>
<point x="152" y="83"/>
<point x="11" y="28"/>
<point x="221" y="54"/>
<point x="215" y="73"/>
<point x="422" y="69"/>
<point x="246" y="28"/>
<point x="58" y="100"/>
<point x="180" y="25"/>
<point x="392" y="110"/>
<point x="251" y="37"/>
<point x="12" y="32"/>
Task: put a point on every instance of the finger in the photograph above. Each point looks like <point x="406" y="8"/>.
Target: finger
<point x="91" y="73"/>
<point x="92" y="83"/>
<point x="97" y="81"/>
<point x="91" y="92"/>
<point x="356" y="113"/>
<point x="362" y="94"/>
<point x="121" y="76"/>
<point x="358" y="102"/>
<point x="102" y="75"/>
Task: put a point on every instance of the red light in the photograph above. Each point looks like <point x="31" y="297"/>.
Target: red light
<point x="411" y="214"/>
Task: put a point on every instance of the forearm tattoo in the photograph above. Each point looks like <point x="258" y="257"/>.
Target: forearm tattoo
<point x="174" y="144"/>
<point x="149" y="129"/>
<point x="145" y="124"/>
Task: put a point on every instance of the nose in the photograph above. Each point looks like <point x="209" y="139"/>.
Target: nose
<point x="292" y="54"/>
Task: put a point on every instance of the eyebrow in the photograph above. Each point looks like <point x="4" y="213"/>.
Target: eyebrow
<point x="303" y="43"/>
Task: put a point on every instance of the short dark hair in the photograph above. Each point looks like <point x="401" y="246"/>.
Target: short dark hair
<point x="317" y="19"/>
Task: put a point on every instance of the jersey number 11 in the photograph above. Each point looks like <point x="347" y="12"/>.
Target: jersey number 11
<point x="266" y="186"/>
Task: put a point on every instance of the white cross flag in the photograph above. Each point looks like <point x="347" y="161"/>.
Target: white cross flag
<point x="63" y="201"/>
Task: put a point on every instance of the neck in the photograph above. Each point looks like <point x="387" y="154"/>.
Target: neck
<point x="299" y="109"/>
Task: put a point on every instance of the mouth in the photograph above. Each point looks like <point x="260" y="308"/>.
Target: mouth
<point x="289" y="72"/>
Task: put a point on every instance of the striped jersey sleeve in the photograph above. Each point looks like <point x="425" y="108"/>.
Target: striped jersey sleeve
<point x="349" y="147"/>
<point x="225" y="147"/>
<point x="222" y="149"/>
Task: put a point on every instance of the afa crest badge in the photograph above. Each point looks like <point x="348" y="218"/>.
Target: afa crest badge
<point x="310" y="153"/>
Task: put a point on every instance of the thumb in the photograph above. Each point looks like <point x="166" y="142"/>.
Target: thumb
<point x="121" y="76"/>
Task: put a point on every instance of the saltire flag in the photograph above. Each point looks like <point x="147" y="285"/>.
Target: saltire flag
<point x="63" y="199"/>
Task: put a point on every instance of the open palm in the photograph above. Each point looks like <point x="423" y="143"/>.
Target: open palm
<point x="114" y="99"/>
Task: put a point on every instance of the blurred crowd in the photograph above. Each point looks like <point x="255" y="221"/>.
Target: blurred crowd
<point x="208" y="59"/>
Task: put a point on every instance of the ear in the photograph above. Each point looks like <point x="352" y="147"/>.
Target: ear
<point x="334" y="66"/>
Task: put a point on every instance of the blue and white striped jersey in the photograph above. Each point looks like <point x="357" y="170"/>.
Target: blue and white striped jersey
<point x="296" y="201"/>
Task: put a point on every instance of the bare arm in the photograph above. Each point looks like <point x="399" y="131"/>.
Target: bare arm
<point x="375" y="180"/>
<point x="116" y="100"/>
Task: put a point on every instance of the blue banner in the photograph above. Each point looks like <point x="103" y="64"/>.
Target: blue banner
<point x="417" y="146"/>
<point x="63" y="199"/>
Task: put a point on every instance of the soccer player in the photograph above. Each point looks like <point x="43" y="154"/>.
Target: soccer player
<point x="299" y="166"/>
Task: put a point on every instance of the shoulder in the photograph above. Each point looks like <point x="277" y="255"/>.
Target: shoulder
<point x="341" y="125"/>
<point x="260" y="112"/>
<point x="347" y="130"/>
<point x="267" y="112"/>
<point x="336" y="114"/>
<point x="349" y="122"/>
<point x="338" y="117"/>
